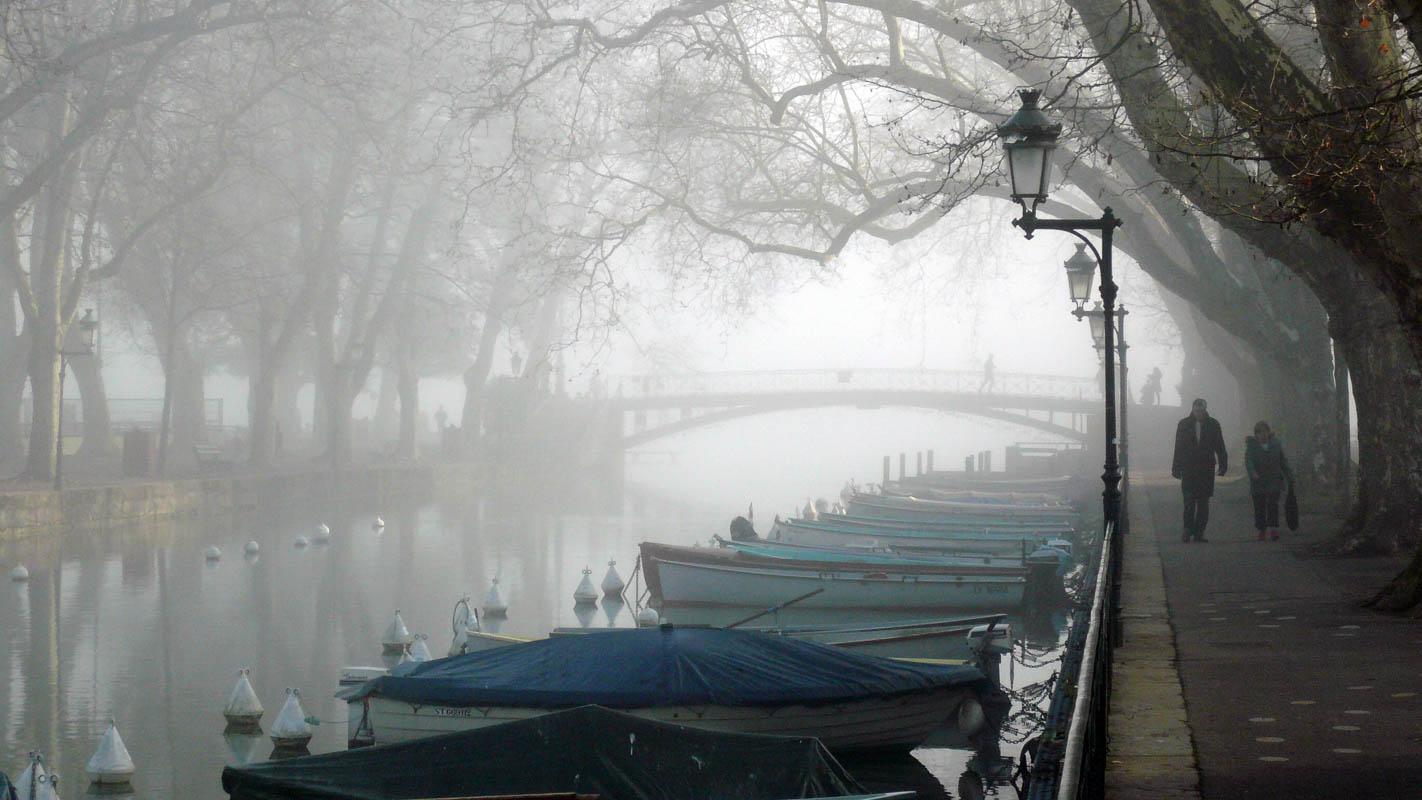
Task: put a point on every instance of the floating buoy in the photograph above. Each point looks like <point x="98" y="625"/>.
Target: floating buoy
<point x="419" y="651"/>
<point x="20" y="573"/>
<point x="612" y="584"/>
<point x="585" y="593"/>
<point x="212" y="553"/>
<point x="378" y="523"/>
<point x="648" y="617"/>
<point x="323" y="534"/>
<point x="291" y="728"/>
<point x="396" y="635"/>
<point x="493" y="604"/>
<point x="35" y="783"/>
<point x="252" y="548"/>
<point x="461" y="641"/>
<point x="301" y="541"/>
<point x="243" y="709"/>
<point x="111" y="762"/>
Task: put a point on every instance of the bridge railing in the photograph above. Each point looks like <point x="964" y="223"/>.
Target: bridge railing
<point x="831" y="380"/>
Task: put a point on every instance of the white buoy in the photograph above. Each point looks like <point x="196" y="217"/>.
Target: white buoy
<point x="323" y="533"/>
<point x="291" y="728"/>
<point x="243" y="709"/>
<point x="301" y="541"/>
<point x="585" y="593"/>
<point x="212" y="553"/>
<point x="111" y="762"/>
<point x="396" y="635"/>
<point x="808" y="512"/>
<point x="378" y="523"/>
<point x="461" y="640"/>
<point x="20" y="573"/>
<point x="493" y="603"/>
<point x="419" y="651"/>
<point x="252" y="547"/>
<point x="648" y="617"/>
<point x="612" y="584"/>
<point x="970" y="716"/>
<point x="35" y="783"/>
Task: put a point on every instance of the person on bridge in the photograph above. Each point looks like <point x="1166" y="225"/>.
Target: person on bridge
<point x="1150" y="392"/>
<point x="987" y="383"/>
<point x="1269" y="473"/>
<point x="1199" y="447"/>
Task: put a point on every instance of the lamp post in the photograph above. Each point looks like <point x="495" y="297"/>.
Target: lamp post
<point x="1029" y="137"/>
<point x="1097" y="319"/>
<point x="88" y="329"/>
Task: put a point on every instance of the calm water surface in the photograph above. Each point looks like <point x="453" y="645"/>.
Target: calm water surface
<point x="134" y="624"/>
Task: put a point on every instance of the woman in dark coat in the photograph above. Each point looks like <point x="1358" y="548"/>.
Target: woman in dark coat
<point x="1269" y="475"/>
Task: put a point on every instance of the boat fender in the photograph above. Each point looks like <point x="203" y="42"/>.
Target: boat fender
<point x="971" y="717"/>
<point x="648" y="617"/>
<point x="20" y="573"/>
<point x="111" y="762"/>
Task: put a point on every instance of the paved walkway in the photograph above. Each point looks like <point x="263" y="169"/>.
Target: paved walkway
<point x="1290" y="688"/>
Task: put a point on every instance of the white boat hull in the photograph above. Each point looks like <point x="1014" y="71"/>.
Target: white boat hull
<point x="820" y="537"/>
<point x="874" y="723"/>
<point x="687" y="584"/>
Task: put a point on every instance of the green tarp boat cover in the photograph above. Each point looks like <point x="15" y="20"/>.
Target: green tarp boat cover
<point x="588" y="750"/>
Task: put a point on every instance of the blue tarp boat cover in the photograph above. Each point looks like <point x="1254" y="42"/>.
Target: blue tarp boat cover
<point x="663" y="666"/>
<point x="586" y="750"/>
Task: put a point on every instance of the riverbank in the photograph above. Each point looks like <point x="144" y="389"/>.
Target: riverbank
<point x="33" y="512"/>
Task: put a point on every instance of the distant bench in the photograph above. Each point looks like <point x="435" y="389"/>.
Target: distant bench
<point x="210" y="457"/>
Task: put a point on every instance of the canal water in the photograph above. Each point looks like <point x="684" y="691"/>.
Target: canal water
<point x="136" y="625"/>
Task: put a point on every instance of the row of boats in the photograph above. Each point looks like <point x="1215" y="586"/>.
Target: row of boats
<point x="925" y="551"/>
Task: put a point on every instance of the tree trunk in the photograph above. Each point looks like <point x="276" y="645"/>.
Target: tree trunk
<point x="386" y="424"/>
<point x="44" y="401"/>
<point x="338" y="397"/>
<point x="288" y="410"/>
<point x="262" y="391"/>
<point x="189" y="404"/>
<point x="98" y="432"/>
<point x="409" y="388"/>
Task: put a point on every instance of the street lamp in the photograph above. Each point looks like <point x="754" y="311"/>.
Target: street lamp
<point x="1080" y="270"/>
<point x="1029" y="138"/>
<point x="1096" y="318"/>
<point x="88" y="330"/>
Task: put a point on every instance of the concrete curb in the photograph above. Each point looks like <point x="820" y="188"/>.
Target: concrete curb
<point x="1152" y="750"/>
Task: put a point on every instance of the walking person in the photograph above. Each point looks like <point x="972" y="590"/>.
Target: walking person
<point x="987" y="375"/>
<point x="1150" y="392"/>
<point x="1269" y="475"/>
<point x="1199" y="450"/>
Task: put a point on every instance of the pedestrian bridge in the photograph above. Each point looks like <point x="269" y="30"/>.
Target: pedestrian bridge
<point x="652" y="407"/>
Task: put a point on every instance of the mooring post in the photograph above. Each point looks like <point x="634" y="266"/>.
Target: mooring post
<point x="930" y="460"/>
<point x="918" y="467"/>
<point x="967" y="463"/>
<point x="903" y="465"/>
<point x="886" y="470"/>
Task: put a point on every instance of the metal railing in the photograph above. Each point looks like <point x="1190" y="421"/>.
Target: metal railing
<point x="1070" y="760"/>
<point x="838" y="380"/>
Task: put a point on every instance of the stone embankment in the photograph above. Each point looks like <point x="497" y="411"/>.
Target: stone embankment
<point x="40" y="512"/>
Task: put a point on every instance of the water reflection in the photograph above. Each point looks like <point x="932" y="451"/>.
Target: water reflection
<point x="132" y="623"/>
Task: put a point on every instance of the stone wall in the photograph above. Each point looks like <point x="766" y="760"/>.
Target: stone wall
<point x="34" y="513"/>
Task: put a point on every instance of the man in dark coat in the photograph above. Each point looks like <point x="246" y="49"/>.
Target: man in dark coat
<point x="1199" y="449"/>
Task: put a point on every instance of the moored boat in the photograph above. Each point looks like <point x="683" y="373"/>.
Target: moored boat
<point x="691" y="577"/>
<point x="906" y="540"/>
<point x="916" y="508"/>
<point x="706" y="678"/>
<point x="581" y="752"/>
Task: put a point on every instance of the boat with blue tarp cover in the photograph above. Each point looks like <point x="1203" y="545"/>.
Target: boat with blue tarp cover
<point x="586" y="751"/>
<point x="708" y="678"/>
